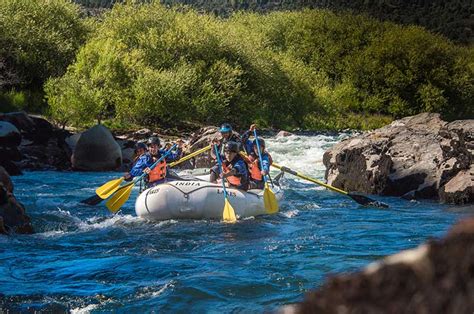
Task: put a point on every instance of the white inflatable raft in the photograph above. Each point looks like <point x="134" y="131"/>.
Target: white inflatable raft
<point x="197" y="200"/>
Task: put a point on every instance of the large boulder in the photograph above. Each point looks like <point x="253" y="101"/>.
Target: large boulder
<point x="436" y="277"/>
<point x="10" y="138"/>
<point x="460" y="189"/>
<point x="9" y="134"/>
<point x="97" y="150"/>
<point x="13" y="216"/>
<point x="200" y="139"/>
<point x="42" y="145"/>
<point x="412" y="157"/>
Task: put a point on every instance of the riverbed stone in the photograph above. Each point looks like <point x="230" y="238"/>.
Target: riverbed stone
<point x="97" y="150"/>
<point x="412" y="157"/>
<point x="13" y="216"/>
<point x="9" y="135"/>
<point x="460" y="189"/>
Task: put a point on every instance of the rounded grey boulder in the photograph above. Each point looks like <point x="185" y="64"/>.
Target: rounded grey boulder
<point x="97" y="150"/>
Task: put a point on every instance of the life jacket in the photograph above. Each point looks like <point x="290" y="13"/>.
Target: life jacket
<point x="158" y="173"/>
<point x="254" y="166"/>
<point x="240" y="181"/>
<point x="232" y="179"/>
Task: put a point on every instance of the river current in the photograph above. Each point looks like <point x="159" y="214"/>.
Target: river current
<point x="84" y="259"/>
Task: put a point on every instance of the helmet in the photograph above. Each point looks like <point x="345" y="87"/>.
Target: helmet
<point x="226" y="127"/>
<point x="140" y="145"/>
<point x="261" y="142"/>
<point x="231" y="147"/>
<point x="153" y="140"/>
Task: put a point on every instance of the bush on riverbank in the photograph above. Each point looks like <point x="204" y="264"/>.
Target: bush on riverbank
<point x="148" y="64"/>
<point x="38" y="40"/>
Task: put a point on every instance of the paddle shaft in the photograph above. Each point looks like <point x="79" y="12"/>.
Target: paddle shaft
<point x="286" y="169"/>
<point x="219" y="162"/>
<point x="200" y="151"/>
<point x="259" y="154"/>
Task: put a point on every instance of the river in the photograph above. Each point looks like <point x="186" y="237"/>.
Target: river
<point x="84" y="259"/>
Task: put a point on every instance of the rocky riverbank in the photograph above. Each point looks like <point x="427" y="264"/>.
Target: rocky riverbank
<point x="418" y="157"/>
<point x="436" y="277"/>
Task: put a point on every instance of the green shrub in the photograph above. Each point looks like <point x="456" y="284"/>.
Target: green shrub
<point x="40" y="38"/>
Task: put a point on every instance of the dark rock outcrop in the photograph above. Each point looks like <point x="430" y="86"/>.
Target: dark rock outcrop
<point x="42" y="145"/>
<point x="97" y="150"/>
<point x="200" y="139"/>
<point x="415" y="157"/>
<point x="436" y="277"/>
<point x="13" y="216"/>
<point x="10" y="138"/>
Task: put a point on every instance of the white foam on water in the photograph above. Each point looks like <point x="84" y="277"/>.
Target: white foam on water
<point x="98" y="222"/>
<point x="155" y="290"/>
<point x="290" y="213"/>
<point x="89" y="308"/>
<point x="302" y="153"/>
<point x="51" y="234"/>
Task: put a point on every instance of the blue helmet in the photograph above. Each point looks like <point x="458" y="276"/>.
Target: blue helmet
<point x="225" y="128"/>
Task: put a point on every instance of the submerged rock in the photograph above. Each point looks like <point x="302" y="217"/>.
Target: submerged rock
<point x="436" y="277"/>
<point x="97" y="150"/>
<point x="414" y="157"/>
<point x="13" y="216"/>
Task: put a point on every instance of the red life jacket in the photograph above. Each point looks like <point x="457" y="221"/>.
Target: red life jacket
<point x="158" y="173"/>
<point x="232" y="179"/>
<point x="254" y="169"/>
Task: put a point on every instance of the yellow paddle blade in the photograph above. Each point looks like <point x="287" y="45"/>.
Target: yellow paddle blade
<point x="108" y="188"/>
<point x="119" y="198"/>
<point x="269" y="200"/>
<point x="229" y="213"/>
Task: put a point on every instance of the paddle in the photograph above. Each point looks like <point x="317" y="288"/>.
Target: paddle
<point x="104" y="191"/>
<point x="122" y="195"/>
<point x="228" y="213"/>
<point x="200" y="151"/>
<point x="113" y="186"/>
<point x="361" y="199"/>
<point x="269" y="199"/>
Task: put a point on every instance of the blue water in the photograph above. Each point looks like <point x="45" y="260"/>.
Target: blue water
<point x="84" y="259"/>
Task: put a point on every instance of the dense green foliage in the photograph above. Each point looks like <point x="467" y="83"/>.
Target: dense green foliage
<point x="313" y="69"/>
<point x="452" y="18"/>
<point x="38" y="40"/>
<point x="147" y="64"/>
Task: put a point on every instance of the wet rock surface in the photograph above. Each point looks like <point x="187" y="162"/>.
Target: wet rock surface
<point x="437" y="277"/>
<point x="39" y="146"/>
<point x="414" y="157"/>
<point x="97" y="150"/>
<point x="13" y="218"/>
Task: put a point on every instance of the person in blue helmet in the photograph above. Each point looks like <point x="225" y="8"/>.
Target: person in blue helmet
<point x="227" y="136"/>
<point x="142" y="160"/>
